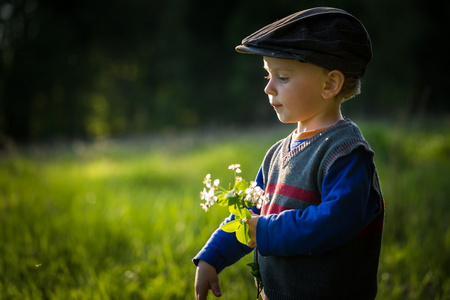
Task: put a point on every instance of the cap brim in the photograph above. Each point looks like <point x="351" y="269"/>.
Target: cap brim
<point x="266" y="52"/>
<point x="325" y="61"/>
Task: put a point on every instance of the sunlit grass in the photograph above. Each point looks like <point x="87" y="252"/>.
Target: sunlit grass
<point x="122" y="220"/>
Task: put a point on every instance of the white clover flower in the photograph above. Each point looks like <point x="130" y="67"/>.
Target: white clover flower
<point x="235" y="167"/>
<point x="205" y="206"/>
<point x="250" y="191"/>
<point x="251" y="188"/>
<point x="211" y="197"/>
<point x="208" y="196"/>
<point x="209" y="184"/>
<point x="207" y="179"/>
<point x="204" y="194"/>
<point x="235" y="198"/>
<point x="262" y="200"/>
<point x="255" y="194"/>
<point x="216" y="184"/>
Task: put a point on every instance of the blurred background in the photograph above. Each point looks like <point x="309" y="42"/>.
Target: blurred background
<point x="78" y="68"/>
<point x="112" y="112"/>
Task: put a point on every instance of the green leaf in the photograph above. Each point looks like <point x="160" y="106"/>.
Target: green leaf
<point x="241" y="185"/>
<point x="249" y="203"/>
<point x="254" y="266"/>
<point x="222" y="200"/>
<point x="225" y="199"/>
<point x="243" y="234"/>
<point x="238" y="211"/>
<point x="255" y="270"/>
<point x="231" y="226"/>
<point x="248" y="214"/>
<point x="255" y="273"/>
<point x="235" y="200"/>
<point x="234" y="209"/>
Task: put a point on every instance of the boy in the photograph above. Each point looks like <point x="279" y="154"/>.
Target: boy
<point x="320" y="235"/>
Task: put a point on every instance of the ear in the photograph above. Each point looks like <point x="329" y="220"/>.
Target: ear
<point x="333" y="85"/>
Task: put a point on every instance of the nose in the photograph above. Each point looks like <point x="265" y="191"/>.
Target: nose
<point x="270" y="89"/>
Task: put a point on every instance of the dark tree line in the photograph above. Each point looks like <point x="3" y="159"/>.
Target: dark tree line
<point x="88" y="68"/>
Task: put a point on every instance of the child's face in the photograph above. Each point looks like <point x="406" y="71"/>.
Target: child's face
<point x="295" y="89"/>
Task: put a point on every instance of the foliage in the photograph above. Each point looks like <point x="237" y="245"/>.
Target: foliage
<point x="95" y="69"/>
<point x="121" y="220"/>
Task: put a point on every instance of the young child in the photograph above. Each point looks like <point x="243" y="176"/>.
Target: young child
<point x="320" y="235"/>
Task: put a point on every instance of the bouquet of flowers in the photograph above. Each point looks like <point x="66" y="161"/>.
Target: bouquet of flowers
<point x="239" y="197"/>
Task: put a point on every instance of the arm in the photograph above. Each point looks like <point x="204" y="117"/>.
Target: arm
<point x="221" y="250"/>
<point x="346" y="208"/>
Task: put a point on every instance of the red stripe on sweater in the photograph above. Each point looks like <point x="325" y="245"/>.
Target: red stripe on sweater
<point x="273" y="209"/>
<point x="293" y="192"/>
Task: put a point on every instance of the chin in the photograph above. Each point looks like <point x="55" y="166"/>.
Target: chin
<point x="284" y="121"/>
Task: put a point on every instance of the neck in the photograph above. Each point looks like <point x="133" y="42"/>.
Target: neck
<point x="320" y="123"/>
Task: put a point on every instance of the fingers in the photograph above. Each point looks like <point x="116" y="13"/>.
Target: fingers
<point x="201" y="295"/>
<point x="215" y="287"/>
<point x="201" y="292"/>
<point x="252" y="223"/>
<point x="206" y="279"/>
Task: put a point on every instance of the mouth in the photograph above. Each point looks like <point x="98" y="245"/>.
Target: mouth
<point x="275" y="106"/>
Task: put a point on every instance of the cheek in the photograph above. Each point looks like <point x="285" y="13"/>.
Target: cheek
<point x="300" y="91"/>
<point x="303" y="97"/>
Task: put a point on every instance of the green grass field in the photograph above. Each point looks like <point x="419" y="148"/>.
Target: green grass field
<point x="122" y="220"/>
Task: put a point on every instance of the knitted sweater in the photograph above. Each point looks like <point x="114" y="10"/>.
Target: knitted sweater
<point x="293" y="180"/>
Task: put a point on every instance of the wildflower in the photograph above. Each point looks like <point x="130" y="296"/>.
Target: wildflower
<point x="256" y="195"/>
<point x="216" y="184"/>
<point x="205" y="206"/>
<point x="238" y="197"/>
<point x="208" y="196"/>
<point x="262" y="200"/>
<point x="207" y="179"/>
<point x="207" y="182"/>
<point x="235" y="167"/>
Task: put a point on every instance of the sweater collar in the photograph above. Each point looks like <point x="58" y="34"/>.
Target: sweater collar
<point x="306" y="134"/>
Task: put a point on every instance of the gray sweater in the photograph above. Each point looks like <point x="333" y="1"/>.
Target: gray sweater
<point x="346" y="272"/>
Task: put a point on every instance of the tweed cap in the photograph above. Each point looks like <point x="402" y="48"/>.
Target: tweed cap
<point x="328" y="37"/>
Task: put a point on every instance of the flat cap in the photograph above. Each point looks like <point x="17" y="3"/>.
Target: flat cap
<point x="328" y="37"/>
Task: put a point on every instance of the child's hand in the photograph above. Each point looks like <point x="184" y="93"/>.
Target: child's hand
<point x="252" y="224"/>
<point x="205" y="279"/>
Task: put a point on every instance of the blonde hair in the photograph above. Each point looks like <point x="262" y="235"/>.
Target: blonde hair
<point x="350" y="88"/>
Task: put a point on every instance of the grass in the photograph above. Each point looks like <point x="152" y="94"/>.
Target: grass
<point x="121" y="219"/>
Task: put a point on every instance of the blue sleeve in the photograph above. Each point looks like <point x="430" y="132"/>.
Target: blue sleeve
<point x="345" y="209"/>
<point x="222" y="248"/>
<point x="260" y="180"/>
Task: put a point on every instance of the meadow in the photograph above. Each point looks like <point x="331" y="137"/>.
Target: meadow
<point x="121" y="218"/>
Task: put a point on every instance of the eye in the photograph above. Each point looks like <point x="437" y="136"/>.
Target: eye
<point x="280" y="78"/>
